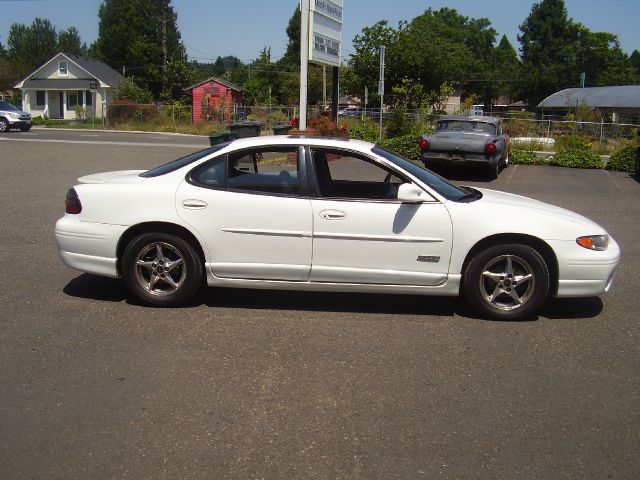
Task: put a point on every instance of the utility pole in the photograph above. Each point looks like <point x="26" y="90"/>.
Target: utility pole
<point x="381" y="84"/>
<point x="164" y="46"/>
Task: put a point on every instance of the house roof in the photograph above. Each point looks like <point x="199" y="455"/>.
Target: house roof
<point x="626" y="96"/>
<point x="94" y="69"/>
<point x="213" y="79"/>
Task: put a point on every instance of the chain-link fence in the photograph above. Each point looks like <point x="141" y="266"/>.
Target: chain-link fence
<point x="517" y="124"/>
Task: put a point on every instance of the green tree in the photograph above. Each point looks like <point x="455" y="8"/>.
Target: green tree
<point x="69" y="42"/>
<point x="364" y="64"/>
<point x="141" y="36"/>
<point x="506" y="71"/>
<point x="548" y="42"/>
<point x="600" y="57"/>
<point x="635" y="61"/>
<point x="32" y="46"/>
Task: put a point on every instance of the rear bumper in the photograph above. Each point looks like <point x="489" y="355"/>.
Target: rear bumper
<point x="89" y="247"/>
<point x="463" y="159"/>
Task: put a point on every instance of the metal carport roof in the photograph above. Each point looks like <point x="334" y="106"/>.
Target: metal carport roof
<point x="626" y="96"/>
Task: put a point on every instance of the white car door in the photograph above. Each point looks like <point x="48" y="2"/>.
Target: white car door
<point x="252" y="214"/>
<point x="363" y="235"/>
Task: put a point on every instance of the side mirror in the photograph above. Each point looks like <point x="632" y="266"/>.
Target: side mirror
<point x="410" y="193"/>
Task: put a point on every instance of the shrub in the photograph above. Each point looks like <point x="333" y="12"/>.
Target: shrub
<point x="125" y="111"/>
<point x="525" y="157"/>
<point x="399" y="125"/>
<point x="366" y="129"/>
<point x="406" y="145"/>
<point x="576" y="158"/>
<point x="573" y="142"/>
<point x="624" y="160"/>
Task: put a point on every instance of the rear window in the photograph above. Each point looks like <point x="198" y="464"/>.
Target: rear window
<point x="466" y="126"/>
<point x="182" y="162"/>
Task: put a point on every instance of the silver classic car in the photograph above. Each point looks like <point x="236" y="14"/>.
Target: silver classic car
<point x="464" y="140"/>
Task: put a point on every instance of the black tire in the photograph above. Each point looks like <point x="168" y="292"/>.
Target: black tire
<point x="506" y="282"/>
<point x="25" y="129"/>
<point x="493" y="171"/>
<point x="4" y="125"/>
<point x="161" y="270"/>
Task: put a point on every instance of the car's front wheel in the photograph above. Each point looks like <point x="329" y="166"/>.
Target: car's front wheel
<point x="161" y="270"/>
<point x="507" y="282"/>
<point x="25" y="128"/>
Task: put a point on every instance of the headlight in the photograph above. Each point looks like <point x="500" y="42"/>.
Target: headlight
<point x="594" y="242"/>
<point x="14" y="114"/>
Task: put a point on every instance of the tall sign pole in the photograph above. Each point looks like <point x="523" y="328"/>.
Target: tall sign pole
<point x="320" y="42"/>
<point x="304" y="60"/>
<point x="381" y="84"/>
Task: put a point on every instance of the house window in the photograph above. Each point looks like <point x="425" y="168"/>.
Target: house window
<point x="40" y="99"/>
<point x="72" y="100"/>
<point x="89" y="98"/>
<point x="63" y="68"/>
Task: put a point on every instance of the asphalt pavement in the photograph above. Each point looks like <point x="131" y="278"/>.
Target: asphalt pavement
<point x="265" y="384"/>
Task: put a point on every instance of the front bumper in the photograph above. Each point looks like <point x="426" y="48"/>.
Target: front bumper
<point x="89" y="247"/>
<point x="585" y="273"/>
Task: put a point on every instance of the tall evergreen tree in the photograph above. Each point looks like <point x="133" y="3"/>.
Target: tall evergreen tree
<point x="142" y="38"/>
<point x="32" y="46"/>
<point x="548" y="42"/>
<point x="69" y="42"/>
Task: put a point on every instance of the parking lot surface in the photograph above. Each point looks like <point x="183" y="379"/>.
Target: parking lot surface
<point x="262" y="384"/>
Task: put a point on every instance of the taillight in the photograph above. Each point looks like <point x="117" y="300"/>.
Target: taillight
<point x="424" y="144"/>
<point x="72" y="203"/>
<point x="491" y="148"/>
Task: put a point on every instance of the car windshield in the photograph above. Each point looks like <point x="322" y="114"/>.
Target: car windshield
<point x="7" y="106"/>
<point x="181" y="162"/>
<point x="444" y="187"/>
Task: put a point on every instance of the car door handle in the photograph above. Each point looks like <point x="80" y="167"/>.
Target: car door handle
<point x="332" y="214"/>
<point x="194" y="204"/>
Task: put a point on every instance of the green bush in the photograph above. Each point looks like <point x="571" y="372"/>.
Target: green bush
<point x="406" y="145"/>
<point x="624" y="160"/>
<point x="525" y="157"/>
<point x="366" y="129"/>
<point x="573" y="142"/>
<point x="399" y="124"/>
<point x="576" y="158"/>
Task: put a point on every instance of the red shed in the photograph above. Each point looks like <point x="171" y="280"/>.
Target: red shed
<point x="214" y="99"/>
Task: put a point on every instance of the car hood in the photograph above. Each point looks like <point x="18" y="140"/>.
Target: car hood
<point x="121" y="176"/>
<point x="528" y="209"/>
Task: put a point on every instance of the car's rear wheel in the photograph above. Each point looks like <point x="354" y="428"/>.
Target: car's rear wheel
<point x="4" y="125"/>
<point x="161" y="270"/>
<point x="507" y="282"/>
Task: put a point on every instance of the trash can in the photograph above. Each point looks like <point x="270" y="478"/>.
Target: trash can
<point x="281" y="129"/>
<point x="220" y="137"/>
<point x="245" y="129"/>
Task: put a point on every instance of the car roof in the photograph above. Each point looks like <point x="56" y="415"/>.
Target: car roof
<point x="311" y="140"/>
<point x="470" y="118"/>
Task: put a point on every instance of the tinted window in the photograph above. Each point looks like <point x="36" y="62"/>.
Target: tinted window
<point x="270" y="170"/>
<point x="182" y="162"/>
<point x="6" y="106"/>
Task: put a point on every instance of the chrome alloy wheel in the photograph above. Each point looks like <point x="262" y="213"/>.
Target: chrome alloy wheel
<point x="507" y="282"/>
<point x="159" y="269"/>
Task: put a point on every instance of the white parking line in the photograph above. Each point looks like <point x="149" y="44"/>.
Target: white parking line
<point x="94" y="142"/>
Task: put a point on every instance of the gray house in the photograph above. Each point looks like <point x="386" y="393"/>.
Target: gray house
<point x="69" y="85"/>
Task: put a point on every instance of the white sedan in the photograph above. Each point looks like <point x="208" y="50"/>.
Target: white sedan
<point x="327" y="214"/>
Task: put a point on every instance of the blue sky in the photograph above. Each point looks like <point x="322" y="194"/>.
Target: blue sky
<point x="242" y="28"/>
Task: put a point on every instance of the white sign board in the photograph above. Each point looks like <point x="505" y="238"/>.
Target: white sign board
<point x="325" y="35"/>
